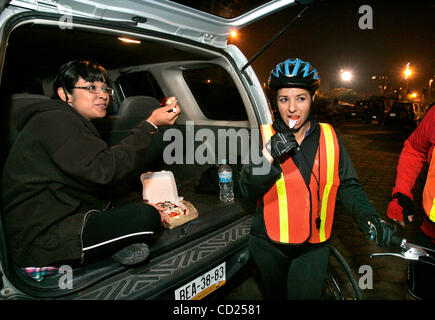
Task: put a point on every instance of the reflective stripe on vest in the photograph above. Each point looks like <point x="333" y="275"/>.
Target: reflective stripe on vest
<point x="290" y="210"/>
<point x="330" y="167"/>
<point x="429" y="190"/>
<point x="267" y="133"/>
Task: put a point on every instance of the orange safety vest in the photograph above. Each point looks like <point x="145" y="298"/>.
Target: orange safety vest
<point x="429" y="190"/>
<point x="290" y="209"/>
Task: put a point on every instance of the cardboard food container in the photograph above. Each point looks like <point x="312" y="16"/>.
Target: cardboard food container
<point x="160" y="188"/>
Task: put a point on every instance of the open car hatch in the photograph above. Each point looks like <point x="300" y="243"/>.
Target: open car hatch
<point x="160" y="15"/>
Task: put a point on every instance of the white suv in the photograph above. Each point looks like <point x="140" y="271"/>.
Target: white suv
<point x="152" y="49"/>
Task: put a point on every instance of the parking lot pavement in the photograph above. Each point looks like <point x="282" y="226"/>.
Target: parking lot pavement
<point x="375" y="152"/>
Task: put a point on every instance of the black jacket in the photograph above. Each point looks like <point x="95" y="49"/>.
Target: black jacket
<point x="57" y="170"/>
<point x="350" y="191"/>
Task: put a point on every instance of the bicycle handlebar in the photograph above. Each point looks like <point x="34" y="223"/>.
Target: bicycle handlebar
<point x="397" y="241"/>
<point x="409" y="251"/>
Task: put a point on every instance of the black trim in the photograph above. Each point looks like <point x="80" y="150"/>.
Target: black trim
<point x="1" y="280"/>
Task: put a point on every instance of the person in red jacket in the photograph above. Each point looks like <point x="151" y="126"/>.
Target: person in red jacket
<point x="418" y="150"/>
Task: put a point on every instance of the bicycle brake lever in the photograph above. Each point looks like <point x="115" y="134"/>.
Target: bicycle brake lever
<point x="386" y="254"/>
<point x="412" y="254"/>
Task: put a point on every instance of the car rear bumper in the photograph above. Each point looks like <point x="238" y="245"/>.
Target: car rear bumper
<point x="160" y="277"/>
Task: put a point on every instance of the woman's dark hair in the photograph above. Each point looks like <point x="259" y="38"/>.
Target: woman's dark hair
<point x="70" y="72"/>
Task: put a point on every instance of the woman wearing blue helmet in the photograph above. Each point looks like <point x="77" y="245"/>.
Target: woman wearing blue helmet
<point x="296" y="199"/>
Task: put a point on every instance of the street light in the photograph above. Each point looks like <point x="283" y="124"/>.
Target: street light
<point x="346" y="75"/>
<point x="430" y="86"/>
<point x="407" y="71"/>
<point x="407" y="74"/>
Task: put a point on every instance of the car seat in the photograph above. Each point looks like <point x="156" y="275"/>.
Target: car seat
<point x="137" y="107"/>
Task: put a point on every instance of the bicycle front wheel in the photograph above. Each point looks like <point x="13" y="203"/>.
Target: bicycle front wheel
<point x="340" y="284"/>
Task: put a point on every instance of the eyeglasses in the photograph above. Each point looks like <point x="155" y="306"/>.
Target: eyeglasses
<point x="94" y="89"/>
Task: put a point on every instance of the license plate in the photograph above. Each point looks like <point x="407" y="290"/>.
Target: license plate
<point x="353" y="113"/>
<point x="392" y="115"/>
<point x="203" y="285"/>
<point x="374" y="117"/>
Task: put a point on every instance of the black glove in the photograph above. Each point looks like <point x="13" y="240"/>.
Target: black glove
<point x="281" y="143"/>
<point x="405" y="202"/>
<point x="380" y="231"/>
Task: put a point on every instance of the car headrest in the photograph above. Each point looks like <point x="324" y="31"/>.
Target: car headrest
<point x="19" y="100"/>
<point x="138" y="107"/>
<point x="13" y="104"/>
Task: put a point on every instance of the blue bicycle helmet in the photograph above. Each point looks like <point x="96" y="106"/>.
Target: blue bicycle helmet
<point x="294" y="73"/>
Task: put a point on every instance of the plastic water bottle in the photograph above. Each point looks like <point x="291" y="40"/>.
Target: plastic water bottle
<point x="225" y="173"/>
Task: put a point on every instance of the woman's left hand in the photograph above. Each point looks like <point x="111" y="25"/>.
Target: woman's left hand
<point x="166" y="115"/>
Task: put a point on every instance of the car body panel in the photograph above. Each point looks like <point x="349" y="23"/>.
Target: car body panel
<point x="158" y="15"/>
<point x="401" y="113"/>
<point x="353" y="111"/>
<point x="375" y="111"/>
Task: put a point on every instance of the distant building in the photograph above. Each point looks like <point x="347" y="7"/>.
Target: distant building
<point x="373" y="85"/>
<point x="377" y="85"/>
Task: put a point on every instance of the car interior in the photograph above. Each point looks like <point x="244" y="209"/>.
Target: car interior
<point x="143" y="74"/>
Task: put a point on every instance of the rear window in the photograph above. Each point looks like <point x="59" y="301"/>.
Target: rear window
<point x="376" y="105"/>
<point x="401" y="106"/>
<point x="216" y="93"/>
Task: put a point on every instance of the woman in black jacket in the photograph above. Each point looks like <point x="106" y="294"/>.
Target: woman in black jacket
<point x="59" y="172"/>
<point x="309" y="169"/>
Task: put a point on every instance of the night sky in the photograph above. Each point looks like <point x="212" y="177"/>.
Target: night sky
<point x="328" y="36"/>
